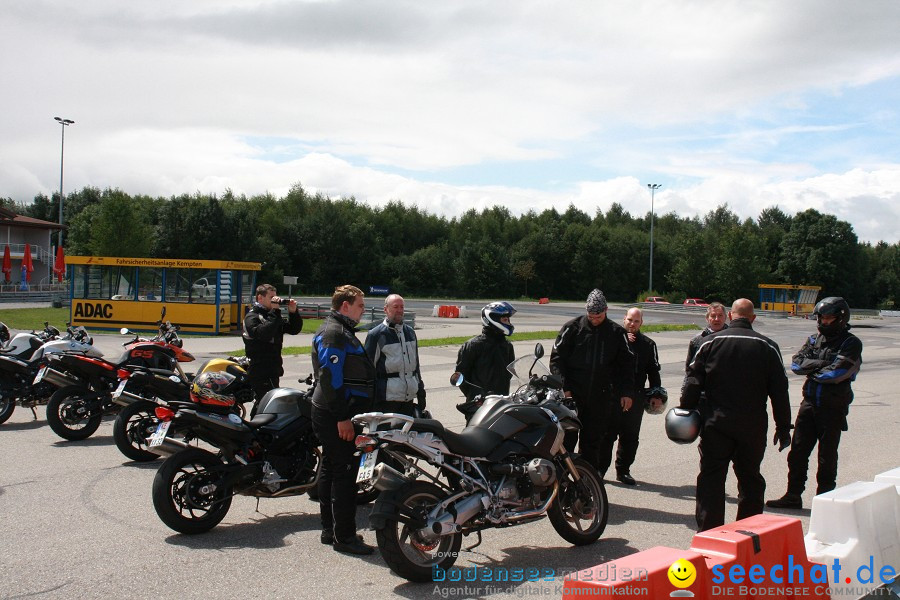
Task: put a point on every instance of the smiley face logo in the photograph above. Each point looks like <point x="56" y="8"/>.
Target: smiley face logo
<point x="682" y="573"/>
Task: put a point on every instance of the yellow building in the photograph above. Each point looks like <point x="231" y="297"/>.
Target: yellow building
<point x="795" y="299"/>
<point x="202" y="296"/>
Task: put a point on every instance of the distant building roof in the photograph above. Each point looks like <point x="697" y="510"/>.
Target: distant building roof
<point x="10" y="219"/>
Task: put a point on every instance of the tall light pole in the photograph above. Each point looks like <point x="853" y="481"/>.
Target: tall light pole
<point x="653" y="187"/>
<point x="62" y="155"/>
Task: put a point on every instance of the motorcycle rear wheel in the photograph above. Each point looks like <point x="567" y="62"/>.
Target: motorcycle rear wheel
<point x="7" y="405"/>
<point x="404" y="549"/>
<point x="179" y="496"/>
<point x="133" y="425"/>
<point x="580" y="512"/>
<point x="70" y="416"/>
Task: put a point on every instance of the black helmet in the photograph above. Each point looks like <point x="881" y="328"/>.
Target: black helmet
<point x="833" y="305"/>
<point x="683" y="425"/>
<point x="655" y="392"/>
<point x="493" y="312"/>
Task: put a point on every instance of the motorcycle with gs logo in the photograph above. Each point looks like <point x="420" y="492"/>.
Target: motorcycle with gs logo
<point x="76" y="410"/>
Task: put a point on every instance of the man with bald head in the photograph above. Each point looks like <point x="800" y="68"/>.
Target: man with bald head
<point x="738" y="369"/>
<point x="625" y="425"/>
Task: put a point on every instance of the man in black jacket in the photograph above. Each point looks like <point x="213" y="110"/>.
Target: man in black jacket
<point x="345" y="387"/>
<point x="592" y="358"/>
<point x="738" y="369"/>
<point x="830" y="362"/>
<point x="483" y="359"/>
<point x="263" y="336"/>
<point x="715" y="321"/>
<point x="626" y="426"/>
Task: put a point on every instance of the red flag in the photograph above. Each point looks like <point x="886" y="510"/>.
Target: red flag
<point x="59" y="267"/>
<point x="7" y="264"/>
<point x="26" y="262"/>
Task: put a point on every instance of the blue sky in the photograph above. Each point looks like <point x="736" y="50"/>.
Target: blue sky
<point x="470" y="104"/>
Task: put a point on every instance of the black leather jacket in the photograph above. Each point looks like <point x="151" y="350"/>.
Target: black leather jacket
<point x="739" y="369"/>
<point x="345" y="373"/>
<point x="263" y="338"/>
<point x="595" y="363"/>
<point x="830" y="365"/>
<point x="482" y="361"/>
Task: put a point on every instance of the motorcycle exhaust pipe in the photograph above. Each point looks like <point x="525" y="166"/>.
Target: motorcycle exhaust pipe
<point x="464" y="509"/>
<point x="168" y="447"/>
<point x="388" y="478"/>
<point x="126" y="398"/>
<point x="59" y="378"/>
<point x="537" y="512"/>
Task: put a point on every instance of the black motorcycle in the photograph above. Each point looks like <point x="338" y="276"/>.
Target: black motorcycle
<point x="507" y="467"/>
<point x="274" y="455"/>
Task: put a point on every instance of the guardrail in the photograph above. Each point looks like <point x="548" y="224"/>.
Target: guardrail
<point x="375" y="315"/>
<point x="700" y="310"/>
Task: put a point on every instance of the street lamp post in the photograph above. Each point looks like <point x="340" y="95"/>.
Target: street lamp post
<point x="62" y="154"/>
<point x="653" y="187"/>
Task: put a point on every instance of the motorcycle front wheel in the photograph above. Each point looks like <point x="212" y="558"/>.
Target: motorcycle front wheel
<point x="183" y="495"/>
<point x="411" y="553"/>
<point x="581" y="509"/>
<point x="71" y="415"/>
<point x="133" y="425"/>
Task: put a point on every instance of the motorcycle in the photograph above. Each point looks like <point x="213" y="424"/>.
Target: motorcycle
<point x="25" y="359"/>
<point x="507" y="467"/>
<point x="141" y="391"/>
<point x="75" y="411"/>
<point x="274" y="455"/>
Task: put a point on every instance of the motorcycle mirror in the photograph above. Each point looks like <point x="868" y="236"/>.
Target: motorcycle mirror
<point x="162" y="315"/>
<point x="456" y="379"/>
<point x="124" y="331"/>
<point x="539" y="350"/>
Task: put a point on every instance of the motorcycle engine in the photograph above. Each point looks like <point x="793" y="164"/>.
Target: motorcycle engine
<point x="541" y="472"/>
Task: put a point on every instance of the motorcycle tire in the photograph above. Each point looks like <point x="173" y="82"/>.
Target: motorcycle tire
<point x="406" y="551"/>
<point x="133" y="425"/>
<point x="70" y="416"/>
<point x="578" y="502"/>
<point x="178" y="496"/>
<point x="7" y="405"/>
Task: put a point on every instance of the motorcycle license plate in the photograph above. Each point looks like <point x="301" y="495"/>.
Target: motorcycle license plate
<point x="40" y="375"/>
<point x="160" y="434"/>
<point x="366" y="466"/>
<point x="120" y="389"/>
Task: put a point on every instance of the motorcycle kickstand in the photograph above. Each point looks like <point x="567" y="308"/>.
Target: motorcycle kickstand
<point x="33" y="413"/>
<point x="476" y="544"/>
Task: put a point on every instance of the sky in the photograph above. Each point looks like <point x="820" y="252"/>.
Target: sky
<point x="451" y="106"/>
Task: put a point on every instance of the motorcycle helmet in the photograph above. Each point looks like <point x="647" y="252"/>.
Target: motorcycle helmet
<point x="213" y="387"/>
<point x="833" y="305"/>
<point x="655" y="392"/>
<point x="493" y="312"/>
<point x="683" y="425"/>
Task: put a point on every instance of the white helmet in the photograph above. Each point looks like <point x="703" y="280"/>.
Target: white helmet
<point x="493" y="312"/>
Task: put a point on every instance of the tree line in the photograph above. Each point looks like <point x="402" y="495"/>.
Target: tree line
<point x="487" y="254"/>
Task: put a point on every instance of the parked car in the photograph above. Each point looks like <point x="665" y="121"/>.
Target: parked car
<point x="695" y="302"/>
<point x="655" y="300"/>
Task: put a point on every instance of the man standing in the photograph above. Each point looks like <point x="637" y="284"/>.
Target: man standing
<point x="626" y="426"/>
<point x="263" y="336"/>
<point x="715" y="321"/>
<point x="592" y="358"/>
<point x="393" y="347"/>
<point x="483" y="359"/>
<point x="738" y="369"/>
<point x="830" y="362"/>
<point x="345" y="388"/>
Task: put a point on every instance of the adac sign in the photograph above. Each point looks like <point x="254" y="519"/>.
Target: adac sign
<point x="92" y="310"/>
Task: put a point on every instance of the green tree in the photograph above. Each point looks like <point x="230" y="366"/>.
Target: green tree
<point x="820" y="250"/>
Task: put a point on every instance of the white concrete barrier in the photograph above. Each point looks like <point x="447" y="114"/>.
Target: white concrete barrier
<point x="434" y="312"/>
<point x="463" y="313"/>
<point x="858" y="525"/>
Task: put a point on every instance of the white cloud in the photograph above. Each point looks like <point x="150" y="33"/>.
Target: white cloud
<point x="751" y="103"/>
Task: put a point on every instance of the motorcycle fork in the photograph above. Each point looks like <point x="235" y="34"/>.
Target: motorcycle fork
<point x="570" y="465"/>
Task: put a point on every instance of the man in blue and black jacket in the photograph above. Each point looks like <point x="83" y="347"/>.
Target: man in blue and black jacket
<point x="830" y="362"/>
<point x="345" y="385"/>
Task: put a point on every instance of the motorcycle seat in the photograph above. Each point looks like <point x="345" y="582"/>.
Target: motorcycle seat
<point x="472" y="441"/>
<point x="261" y="420"/>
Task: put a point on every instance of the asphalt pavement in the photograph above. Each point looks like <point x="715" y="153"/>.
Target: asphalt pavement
<point x="79" y="522"/>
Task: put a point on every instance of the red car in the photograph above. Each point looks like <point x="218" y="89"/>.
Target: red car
<point x="695" y="302"/>
<point x="655" y="300"/>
